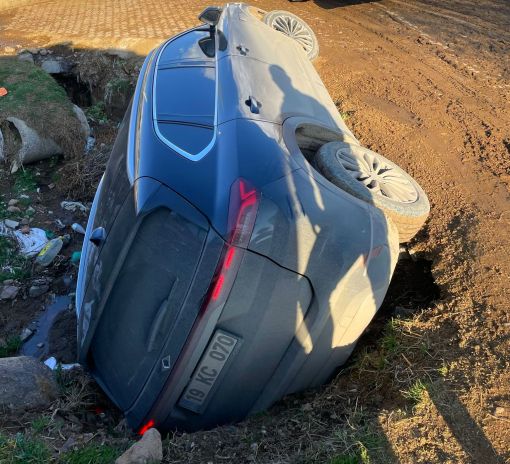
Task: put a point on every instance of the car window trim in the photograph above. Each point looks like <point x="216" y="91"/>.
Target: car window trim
<point x="193" y="157"/>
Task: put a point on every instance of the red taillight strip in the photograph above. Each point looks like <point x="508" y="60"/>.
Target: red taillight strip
<point x="146" y="427"/>
<point x="243" y="207"/>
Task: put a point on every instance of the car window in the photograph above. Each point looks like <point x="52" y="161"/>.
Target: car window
<point x="185" y="47"/>
<point x="185" y="106"/>
<point x="186" y="94"/>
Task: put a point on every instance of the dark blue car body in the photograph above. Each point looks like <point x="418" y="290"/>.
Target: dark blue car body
<point x="211" y="228"/>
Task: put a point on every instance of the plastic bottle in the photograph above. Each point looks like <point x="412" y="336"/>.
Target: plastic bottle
<point x="49" y="252"/>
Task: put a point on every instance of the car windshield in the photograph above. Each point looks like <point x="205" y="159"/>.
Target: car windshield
<point x="185" y="95"/>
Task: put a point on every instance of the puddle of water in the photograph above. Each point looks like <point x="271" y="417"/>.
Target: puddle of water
<point x="43" y="327"/>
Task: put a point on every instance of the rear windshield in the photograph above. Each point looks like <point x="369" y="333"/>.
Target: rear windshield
<point x="185" y="93"/>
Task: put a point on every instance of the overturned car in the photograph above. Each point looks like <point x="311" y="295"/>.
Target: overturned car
<point x="241" y="239"/>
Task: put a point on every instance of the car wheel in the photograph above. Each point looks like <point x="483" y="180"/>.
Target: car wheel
<point x="295" y="28"/>
<point x="376" y="180"/>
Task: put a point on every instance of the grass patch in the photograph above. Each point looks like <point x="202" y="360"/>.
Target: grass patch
<point x="443" y="370"/>
<point x="96" y="113"/>
<point x="390" y="342"/>
<point x="24" y="181"/>
<point x="22" y="449"/>
<point x="389" y="347"/>
<point x="360" y="456"/>
<point x="12" y="264"/>
<point x="29" y="87"/>
<point x="416" y="393"/>
<point x="11" y="347"/>
<point x="92" y="454"/>
<point x="36" y="98"/>
<point x="40" y="424"/>
<point x="345" y="459"/>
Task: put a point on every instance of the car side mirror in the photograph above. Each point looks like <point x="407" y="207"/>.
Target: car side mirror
<point x="211" y="15"/>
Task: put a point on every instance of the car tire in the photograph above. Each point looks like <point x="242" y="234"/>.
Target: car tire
<point x="373" y="178"/>
<point x="295" y="28"/>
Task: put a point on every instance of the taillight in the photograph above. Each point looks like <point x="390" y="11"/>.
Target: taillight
<point x="242" y="212"/>
<point x="244" y="202"/>
<point x="146" y="427"/>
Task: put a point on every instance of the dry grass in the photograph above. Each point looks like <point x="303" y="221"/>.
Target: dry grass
<point x="81" y="176"/>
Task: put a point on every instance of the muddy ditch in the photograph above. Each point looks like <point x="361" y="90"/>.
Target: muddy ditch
<point x="106" y="79"/>
<point x="102" y="84"/>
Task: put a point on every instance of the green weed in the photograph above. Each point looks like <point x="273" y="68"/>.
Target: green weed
<point x="24" y="181"/>
<point x="92" y="454"/>
<point x="345" y="459"/>
<point x="416" y="392"/>
<point x="96" y="113"/>
<point x="12" y="264"/>
<point x="40" y="424"/>
<point x="11" y="347"/>
<point x="23" y="450"/>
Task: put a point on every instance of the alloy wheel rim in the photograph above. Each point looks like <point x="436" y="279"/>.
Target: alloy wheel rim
<point x="378" y="176"/>
<point x="295" y="29"/>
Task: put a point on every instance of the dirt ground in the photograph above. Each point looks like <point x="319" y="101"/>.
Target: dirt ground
<point x="427" y="84"/>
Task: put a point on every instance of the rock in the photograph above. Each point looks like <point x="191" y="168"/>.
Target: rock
<point x="9" y="292"/>
<point x="11" y="224"/>
<point x="30" y="211"/>
<point x="25" y="383"/>
<point x="13" y="202"/>
<point x="501" y="412"/>
<point x="13" y="209"/>
<point x="26" y="56"/>
<point x="402" y="312"/>
<point x="38" y="290"/>
<point x="85" y="128"/>
<point x="148" y="450"/>
<point x="25" y="221"/>
<point x="56" y="65"/>
<point x="26" y="333"/>
<point x="43" y="52"/>
<point x="68" y="445"/>
<point x="25" y="229"/>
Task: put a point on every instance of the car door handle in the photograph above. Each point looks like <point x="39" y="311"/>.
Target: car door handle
<point x="243" y="50"/>
<point x="98" y="236"/>
<point x="254" y="105"/>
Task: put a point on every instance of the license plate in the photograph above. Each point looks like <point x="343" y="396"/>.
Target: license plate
<point x="208" y="370"/>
